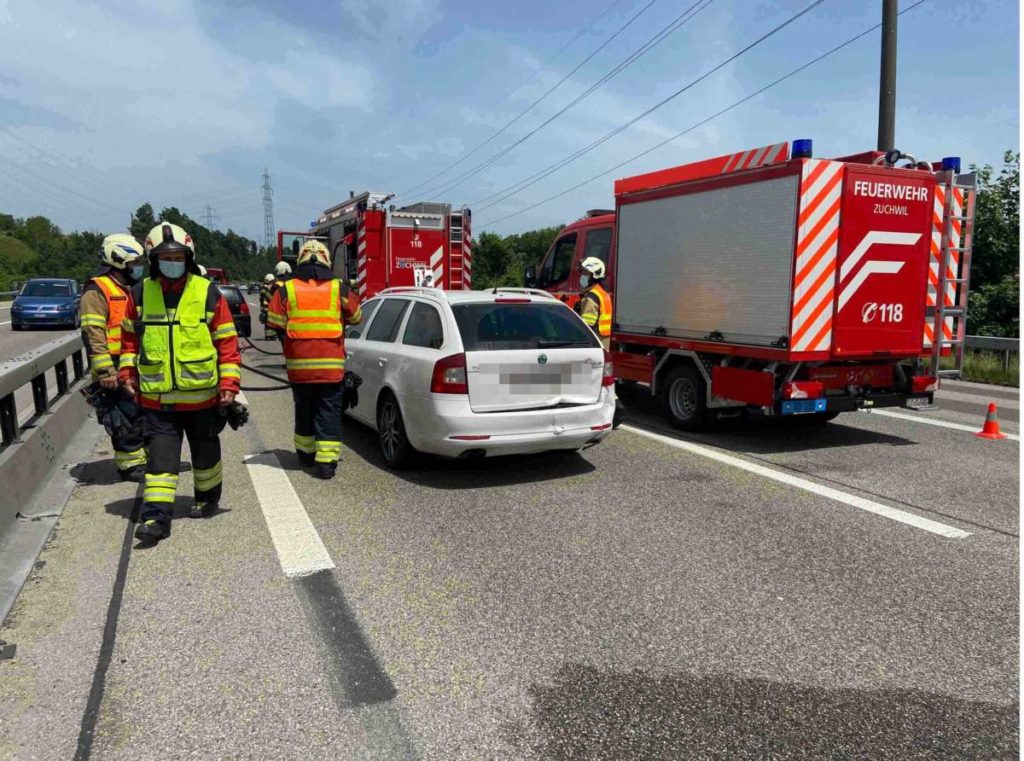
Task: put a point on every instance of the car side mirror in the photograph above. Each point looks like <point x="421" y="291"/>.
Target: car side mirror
<point x="530" y="277"/>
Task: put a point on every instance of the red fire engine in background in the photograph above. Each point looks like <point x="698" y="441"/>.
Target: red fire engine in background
<point x="781" y="284"/>
<point x="375" y="246"/>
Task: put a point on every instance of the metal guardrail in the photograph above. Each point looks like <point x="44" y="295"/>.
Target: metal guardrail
<point x="997" y="344"/>
<point x="31" y="369"/>
<point x="8" y="294"/>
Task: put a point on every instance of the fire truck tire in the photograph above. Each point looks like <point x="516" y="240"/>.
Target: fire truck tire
<point x="394" y="443"/>
<point x="684" y="396"/>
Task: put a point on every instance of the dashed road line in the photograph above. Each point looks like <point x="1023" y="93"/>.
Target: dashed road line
<point x="5" y="323"/>
<point x="910" y="519"/>
<point x="300" y="549"/>
<point x="933" y="421"/>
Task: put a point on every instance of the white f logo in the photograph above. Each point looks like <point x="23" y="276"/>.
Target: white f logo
<point x="874" y="266"/>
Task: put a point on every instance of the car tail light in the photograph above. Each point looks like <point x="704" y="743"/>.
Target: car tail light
<point x="243" y="307"/>
<point x="604" y="427"/>
<point x="803" y="390"/>
<point x="923" y="384"/>
<point x="470" y="438"/>
<point x="450" y="376"/>
<point x="608" y="379"/>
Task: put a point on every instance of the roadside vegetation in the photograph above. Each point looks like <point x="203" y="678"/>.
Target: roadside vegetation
<point x="989" y="367"/>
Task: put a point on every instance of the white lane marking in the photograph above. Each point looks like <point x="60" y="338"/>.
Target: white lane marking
<point x="933" y="421"/>
<point x="802" y="483"/>
<point x="981" y="401"/>
<point x="5" y="323"/>
<point x="240" y="398"/>
<point x="300" y="550"/>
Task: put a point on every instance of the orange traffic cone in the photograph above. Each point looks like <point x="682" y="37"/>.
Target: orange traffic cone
<point x="991" y="428"/>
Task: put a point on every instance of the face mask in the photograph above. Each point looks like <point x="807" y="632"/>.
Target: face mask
<point x="135" y="272"/>
<point x="172" y="270"/>
<point x="584" y="281"/>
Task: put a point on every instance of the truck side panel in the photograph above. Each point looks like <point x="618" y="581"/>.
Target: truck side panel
<point x="701" y="262"/>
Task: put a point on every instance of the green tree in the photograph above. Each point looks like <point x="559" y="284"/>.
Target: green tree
<point x="995" y="268"/>
<point x="142" y="221"/>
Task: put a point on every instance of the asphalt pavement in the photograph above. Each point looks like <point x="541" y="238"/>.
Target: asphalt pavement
<point x="761" y="591"/>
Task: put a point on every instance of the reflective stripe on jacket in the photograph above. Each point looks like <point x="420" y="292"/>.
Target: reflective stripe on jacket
<point x="117" y="306"/>
<point x="601" y="323"/>
<point x="314" y="308"/>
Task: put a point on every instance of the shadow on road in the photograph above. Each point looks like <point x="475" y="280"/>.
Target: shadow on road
<point x="96" y="473"/>
<point x="595" y="714"/>
<point x="445" y="474"/>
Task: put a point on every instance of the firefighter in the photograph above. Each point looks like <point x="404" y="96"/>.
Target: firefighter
<point x="282" y="272"/>
<point x="596" y="303"/>
<point x="181" y="361"/>
<point x="104" y="303"/>
<point x="310" y="311"/>
<point x="265" y="295"/>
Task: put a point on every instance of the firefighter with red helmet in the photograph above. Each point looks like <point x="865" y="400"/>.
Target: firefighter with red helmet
<point x="181" y="362"/>
<point x="104" y="303"/>
<point x="310" y="310"/>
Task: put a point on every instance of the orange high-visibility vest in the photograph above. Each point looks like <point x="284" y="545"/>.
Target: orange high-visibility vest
<point x="117" y="305"/>
<point x="604" y="319"/>
<point x="314" y="308"/>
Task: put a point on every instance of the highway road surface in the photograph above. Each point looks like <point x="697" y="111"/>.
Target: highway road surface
<point x="761" y="591"/>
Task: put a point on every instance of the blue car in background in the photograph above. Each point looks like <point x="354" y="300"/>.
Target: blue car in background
<point x="46" y="302"/>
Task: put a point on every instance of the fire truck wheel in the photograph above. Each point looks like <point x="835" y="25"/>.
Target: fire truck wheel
<point x="394" y="444"/>
<point x="685" y="398"/>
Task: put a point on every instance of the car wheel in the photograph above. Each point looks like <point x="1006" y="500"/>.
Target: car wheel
<point x="17" y="326"/>
<point x="394" y="444"/>
<point x="684" y="397"/>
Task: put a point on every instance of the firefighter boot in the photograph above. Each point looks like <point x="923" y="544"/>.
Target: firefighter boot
<point x="325" y="470"/>
<point x="154" y="527"/>
<point x="203" y="510"/>
<point x="135" y="475"/>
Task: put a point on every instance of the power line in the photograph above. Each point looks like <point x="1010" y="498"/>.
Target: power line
<point x="515" y="188"/>
<point x="701" y="123"/>
<point x="530" y="107"/>
<point x="632" y="58"/>
<point x="209" y="217"/>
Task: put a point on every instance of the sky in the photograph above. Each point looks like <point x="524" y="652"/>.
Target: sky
<point x="106" y="104"/>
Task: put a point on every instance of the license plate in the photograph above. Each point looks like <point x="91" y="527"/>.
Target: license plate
<point x="804" y="406"/>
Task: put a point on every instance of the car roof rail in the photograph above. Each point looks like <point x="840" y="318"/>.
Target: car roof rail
<point x="526" y="291"/>
<point x="413" y="289"/>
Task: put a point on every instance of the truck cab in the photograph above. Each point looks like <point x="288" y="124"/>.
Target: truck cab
<point x="559" y="272"/>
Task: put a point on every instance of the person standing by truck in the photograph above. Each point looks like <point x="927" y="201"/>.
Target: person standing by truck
<point x="104" y="303"/>
<point x="181" y="361"/>
<point x="265" y="295"/>
<point x="595" y="303"/>
<point x="310" y="311"/>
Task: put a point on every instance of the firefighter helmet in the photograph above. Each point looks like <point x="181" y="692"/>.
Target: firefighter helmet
<point x="593" y="266"/>
<point x="119" y="249"/>
<point x="268" y="278"/>
<point x="167" y="237"/>
<point x="282" y="268"/>
<point x="202" y="270"/>
<point x="313" y="251"/>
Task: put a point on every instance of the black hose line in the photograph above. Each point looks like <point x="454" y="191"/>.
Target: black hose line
<point x="262" y="351"/>
<point x="250" y="368"/>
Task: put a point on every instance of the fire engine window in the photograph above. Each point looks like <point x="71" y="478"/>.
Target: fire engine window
<point x="385" y="325"/>
<point x="424" y="327"/>
<point x="356" y="331"/>
<point x="598" y="243"/>
<point x="559" y="264"/>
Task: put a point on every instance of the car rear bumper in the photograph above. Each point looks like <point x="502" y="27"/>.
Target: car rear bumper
<point x="49" y="319"/>
<point x="433" y="425"/>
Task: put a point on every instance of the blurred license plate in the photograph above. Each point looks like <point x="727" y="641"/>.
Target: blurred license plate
<point x="803" y="406"/>
<point x="531" y="379"/>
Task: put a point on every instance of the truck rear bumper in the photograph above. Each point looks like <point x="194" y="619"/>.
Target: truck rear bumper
<point x="875" y="401"/>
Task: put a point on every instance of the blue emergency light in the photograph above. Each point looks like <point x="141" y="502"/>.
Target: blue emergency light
<point x="951" y="162"/>
<point x="803" y="149"/>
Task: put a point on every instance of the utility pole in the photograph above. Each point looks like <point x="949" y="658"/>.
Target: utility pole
<point x="209" y="217"/>
<point x="268" y="210"/>
<point x="887" y="78"/>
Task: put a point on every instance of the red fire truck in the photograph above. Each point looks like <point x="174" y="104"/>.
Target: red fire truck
<point x="780" y="283"/>
<point x="375" y="246"/>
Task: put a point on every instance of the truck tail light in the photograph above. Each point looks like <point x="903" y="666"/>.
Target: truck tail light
<point x="450" y="376"/>
<point x="803" y="390"/>
<point x="608" y="379"/>
<point x="923" y="384"/>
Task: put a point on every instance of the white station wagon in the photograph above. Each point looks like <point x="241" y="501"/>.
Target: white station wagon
<point x="477" y="373"/>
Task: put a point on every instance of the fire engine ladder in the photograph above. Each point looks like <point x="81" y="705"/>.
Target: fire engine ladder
<point x="954" y="259"/>
<point x="455" y="279"/>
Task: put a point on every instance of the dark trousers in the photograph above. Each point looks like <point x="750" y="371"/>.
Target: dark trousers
<point x="127" y="440"/>
<point x="318" y="420"/>
<point x="164" y="434"/>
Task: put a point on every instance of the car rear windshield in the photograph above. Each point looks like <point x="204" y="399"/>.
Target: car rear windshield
<point x="46" y="289"/>
<point x="231" y="295"/>
<point x="496" y="327"/>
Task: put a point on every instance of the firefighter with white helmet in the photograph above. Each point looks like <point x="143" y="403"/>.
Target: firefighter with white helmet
<point x="104" y="303"/>
<point x="310" y="311"/>
<point x="266" y="291"/>
<point x="595" y="304"/>
<point x="181" y="361"/>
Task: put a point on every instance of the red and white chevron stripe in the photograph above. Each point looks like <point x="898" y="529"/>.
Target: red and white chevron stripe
<point x="821" y="185"/>
<point x="755" y="157"/>
<point x="467" y="259"/>
<point x="437" y="266"/>
<point x="361" y="260"/>
<point x="935" y="260"/>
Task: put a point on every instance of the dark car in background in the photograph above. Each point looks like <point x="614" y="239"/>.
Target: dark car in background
<point x="254" y="287"/>
<point x="46" y="302"/>
<point x="239" y="308"/>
